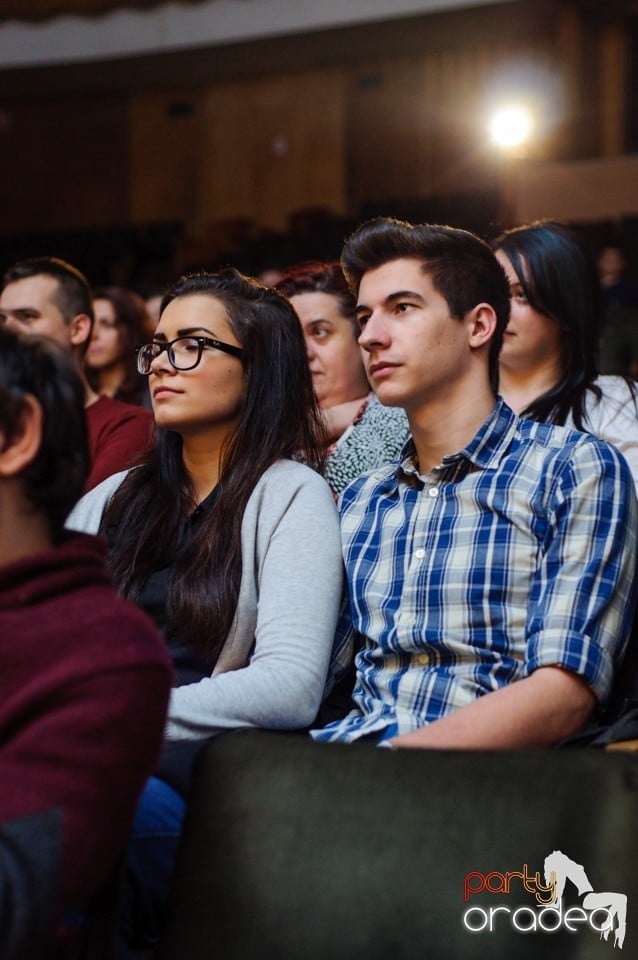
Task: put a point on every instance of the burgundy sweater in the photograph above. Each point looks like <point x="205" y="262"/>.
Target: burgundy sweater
<point x="118" y="433"/>
<point x="84" y="686"/>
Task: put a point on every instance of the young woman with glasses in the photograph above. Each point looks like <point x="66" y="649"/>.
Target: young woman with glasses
<point x="226" y="539"/>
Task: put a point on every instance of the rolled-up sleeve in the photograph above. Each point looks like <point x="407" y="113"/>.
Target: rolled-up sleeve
<point x="583" y="596"/>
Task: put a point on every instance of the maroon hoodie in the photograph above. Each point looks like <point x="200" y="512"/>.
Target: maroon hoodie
<point x="84" y="686"/>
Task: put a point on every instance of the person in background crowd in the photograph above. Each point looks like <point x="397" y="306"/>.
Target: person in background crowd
<point x="84" y="678"/>
<point x="619" y="341"/>
<point x="363" y="434"/>
<point x="548" y="366"/>
<point x="121" y="324"/>
<point x="271" y="276"/>
<point x="225" y="539"/>
<point x="617" y="287"/>
<point x="153" y="304"/>
<point x="47" y="296"/>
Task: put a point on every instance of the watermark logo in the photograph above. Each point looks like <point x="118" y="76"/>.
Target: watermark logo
<point x="604" y="913"/>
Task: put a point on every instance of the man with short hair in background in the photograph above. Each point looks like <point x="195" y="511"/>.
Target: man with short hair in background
<point x="47" y="296"/>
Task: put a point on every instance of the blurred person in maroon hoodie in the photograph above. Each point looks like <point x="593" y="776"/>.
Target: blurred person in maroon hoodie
<point x="84" y="676"/>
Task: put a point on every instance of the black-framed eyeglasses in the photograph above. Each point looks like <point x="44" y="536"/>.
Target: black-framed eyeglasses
<point x="183" y="353"/>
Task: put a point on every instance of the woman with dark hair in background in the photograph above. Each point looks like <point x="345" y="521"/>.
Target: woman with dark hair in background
<point x="229" y="542"/>
<point x="122" y="322"/>
<point x="548" y="363"/>
<point x="362" y="433"/>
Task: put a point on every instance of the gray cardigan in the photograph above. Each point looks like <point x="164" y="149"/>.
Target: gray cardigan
<point x="272" y="668"/>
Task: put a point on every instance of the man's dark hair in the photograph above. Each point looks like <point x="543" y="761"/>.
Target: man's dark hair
<point x="73" y="293"/>
<point x="461" y="266"/>
<point x="55" y="479"/>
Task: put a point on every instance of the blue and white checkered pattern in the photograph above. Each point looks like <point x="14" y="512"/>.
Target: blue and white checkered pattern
<point x="516" y="553"/>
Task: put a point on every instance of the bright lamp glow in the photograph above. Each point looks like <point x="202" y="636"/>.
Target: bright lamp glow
<point x="511" y="126"/>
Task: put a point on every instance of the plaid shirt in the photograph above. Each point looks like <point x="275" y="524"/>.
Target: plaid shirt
<point x="516" y="553"/>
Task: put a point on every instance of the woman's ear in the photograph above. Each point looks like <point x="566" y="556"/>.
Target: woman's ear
<point x="22" y="448"/>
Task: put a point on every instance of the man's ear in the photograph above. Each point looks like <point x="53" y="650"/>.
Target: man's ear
<point x="17" y="453"/>
<point x="80" y="328"/>
<point x="482" y="324"/>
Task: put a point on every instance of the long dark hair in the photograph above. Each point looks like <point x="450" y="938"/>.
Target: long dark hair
<point x="560" y="280"/>
<point x="134" y="326"/>
<point x="279" y="419"/>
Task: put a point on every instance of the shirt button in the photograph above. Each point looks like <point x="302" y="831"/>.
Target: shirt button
<point x="423" y="659"/>
<point x="420" y="553"/>
<point x="433" y="491"/>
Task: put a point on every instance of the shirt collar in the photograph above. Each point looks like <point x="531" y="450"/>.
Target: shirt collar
<point x="485" y="450"/>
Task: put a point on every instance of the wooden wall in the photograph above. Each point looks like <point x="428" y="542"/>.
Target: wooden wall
<point x="259" y="149"/>
<point x="273" y="146"/>
<point x="337" y="136"/>
<point x="416" y="127"/>
<point x="255" y="148"/>
<point x="164" y="158"/>
<point x="63" y="164"/>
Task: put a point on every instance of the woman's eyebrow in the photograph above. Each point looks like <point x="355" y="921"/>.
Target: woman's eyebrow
<point x="187" y="332"/>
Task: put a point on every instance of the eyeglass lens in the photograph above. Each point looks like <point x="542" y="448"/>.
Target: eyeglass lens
<point x="183" y="353"/>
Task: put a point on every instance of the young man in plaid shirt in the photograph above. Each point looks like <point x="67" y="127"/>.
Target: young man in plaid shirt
<point x="491" y="571"/>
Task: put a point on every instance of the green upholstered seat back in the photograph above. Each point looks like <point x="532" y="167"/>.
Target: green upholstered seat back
<point x="294" y="850"/>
